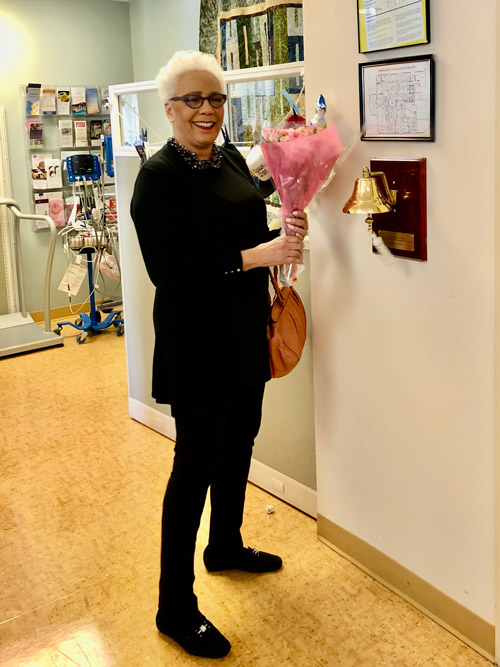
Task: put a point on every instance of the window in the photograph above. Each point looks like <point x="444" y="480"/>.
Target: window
<point x="255" y="96"/>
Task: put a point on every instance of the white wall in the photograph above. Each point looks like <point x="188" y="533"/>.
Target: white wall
<point x="159" y="28"/>
<point x="403" y="355"/>
<point x="54" y="42"/>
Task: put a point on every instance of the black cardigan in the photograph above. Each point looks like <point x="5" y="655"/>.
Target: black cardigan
<point x="210" y="316"/>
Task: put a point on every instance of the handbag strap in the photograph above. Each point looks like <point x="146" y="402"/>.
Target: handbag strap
<point x="273" y="274"/>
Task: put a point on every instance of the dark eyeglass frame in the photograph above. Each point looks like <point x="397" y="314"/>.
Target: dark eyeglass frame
<point x="200" y="99"/>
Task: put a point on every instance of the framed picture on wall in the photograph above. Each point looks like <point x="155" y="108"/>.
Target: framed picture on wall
<point x="396" y="99"/>
<point x="386" y="24"/>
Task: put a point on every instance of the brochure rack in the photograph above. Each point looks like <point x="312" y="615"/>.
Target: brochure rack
<point x="60" y="121"/>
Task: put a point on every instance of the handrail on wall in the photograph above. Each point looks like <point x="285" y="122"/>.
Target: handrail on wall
<point x="13" y="206"/>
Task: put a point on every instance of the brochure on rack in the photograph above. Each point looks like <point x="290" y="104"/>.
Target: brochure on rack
<point x="78" y="104"/>
<point x="39" y="170"/>
<point x="81" y="133"/>
<point x="49" y="101"/>
<point x="33" y="99"/>
<point x="91" y="100"/>
<point x="63" y="100"/>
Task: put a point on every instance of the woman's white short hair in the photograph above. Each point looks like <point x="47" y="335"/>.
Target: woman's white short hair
<point x="186" y="61"/>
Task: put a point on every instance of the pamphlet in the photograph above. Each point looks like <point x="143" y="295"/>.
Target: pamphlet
<point x="35" y="132"/>
<point x="41" y="207"/>
<point x="63" y="100"/>
<point x="110" y="201"/>
<point x="53" y="169"/>
<point x="39" y="170"/>
<point x="51" y="204"/>
<point x="104" y="100"/>
<point x="78" y="104"/>
<point x="56" y="209"/>
<point x="49" y="101"/>
<point x="65" y="133"/>
<point x="81" y="133"/>
<point x="95" y="132"/>
<point x="33" y="99"/>
<point x="91" y="99"/>
<point x="106" y="128"/>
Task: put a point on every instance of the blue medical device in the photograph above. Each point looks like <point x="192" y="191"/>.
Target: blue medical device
<point x="83" y="167"/>
<point x="108" y="153"/>
<point x="93" y="321"/>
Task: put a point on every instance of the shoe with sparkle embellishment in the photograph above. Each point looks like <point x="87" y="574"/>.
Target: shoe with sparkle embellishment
<point x="247" y="560"/>
<point x="197" y="637"/>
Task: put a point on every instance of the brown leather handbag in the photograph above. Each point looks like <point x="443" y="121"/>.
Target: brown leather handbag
<point x="286" y="328"/>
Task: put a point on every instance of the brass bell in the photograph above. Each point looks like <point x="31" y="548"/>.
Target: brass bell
<point x="367" y="197"/>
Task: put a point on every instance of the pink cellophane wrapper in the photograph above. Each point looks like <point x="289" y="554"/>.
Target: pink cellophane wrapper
<point x="300" y="167"/>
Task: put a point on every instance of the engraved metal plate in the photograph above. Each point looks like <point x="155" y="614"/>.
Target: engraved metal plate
<point x="398" y="240"/>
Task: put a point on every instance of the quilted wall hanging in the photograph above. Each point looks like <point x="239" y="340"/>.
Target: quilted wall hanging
<point x="245" y="33"/>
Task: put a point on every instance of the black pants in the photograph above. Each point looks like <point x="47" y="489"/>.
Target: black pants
<point x="213" y="449"/>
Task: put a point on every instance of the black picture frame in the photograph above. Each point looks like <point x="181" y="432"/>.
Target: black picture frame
<point x="397" y="99"/>
<point x="397" y="40"/>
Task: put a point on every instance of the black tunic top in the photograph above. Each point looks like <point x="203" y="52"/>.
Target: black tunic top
<point x="210" y="316"/>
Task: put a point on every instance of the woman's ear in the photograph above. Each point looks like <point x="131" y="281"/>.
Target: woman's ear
<point x="169" y="112"/>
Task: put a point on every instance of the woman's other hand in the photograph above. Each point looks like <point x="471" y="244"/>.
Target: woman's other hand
<point x="298" y="224"/>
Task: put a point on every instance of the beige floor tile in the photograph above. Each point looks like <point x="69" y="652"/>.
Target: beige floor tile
<point x="80" y="505"/>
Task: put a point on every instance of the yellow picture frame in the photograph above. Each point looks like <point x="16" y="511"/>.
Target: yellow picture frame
<point x="381" y="25"/>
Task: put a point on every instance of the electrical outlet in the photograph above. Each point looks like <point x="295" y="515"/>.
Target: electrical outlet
<point x="278" y="485"/>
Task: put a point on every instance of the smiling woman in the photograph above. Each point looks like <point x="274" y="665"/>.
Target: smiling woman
<point x="196" y="128"/>
<point x="207" y="250"/>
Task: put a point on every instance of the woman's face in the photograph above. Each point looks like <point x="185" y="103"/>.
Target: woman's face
<point x="196" y="129"/>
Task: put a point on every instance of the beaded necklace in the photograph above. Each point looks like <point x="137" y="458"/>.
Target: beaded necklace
<point x="191" y="159"/>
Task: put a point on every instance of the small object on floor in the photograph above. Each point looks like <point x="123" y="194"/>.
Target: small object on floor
<point x="247" y="560"/>
<point x="198" y="637"/>
<point x="270" y="509"/>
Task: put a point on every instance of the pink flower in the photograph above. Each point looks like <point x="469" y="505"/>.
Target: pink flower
<point x="289" y="134"/>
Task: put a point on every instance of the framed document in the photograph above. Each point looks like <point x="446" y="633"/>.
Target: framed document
<point x="396" y="99"/>
<point x="389" y="24"/>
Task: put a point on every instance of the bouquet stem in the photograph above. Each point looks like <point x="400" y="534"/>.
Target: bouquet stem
<point x="289" y="272"/>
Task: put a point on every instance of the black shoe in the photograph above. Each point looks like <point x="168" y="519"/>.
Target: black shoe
<point x="248" y="560"/>
<point x="198" y="637"/>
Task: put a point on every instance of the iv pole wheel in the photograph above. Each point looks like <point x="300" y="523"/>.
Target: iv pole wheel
<point x="81" y="337"/>
<point x="78" y="321"/>
<point x="119" y="330"/>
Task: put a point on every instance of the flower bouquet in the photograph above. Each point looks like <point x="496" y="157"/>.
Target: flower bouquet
<point x="300" y="161"/>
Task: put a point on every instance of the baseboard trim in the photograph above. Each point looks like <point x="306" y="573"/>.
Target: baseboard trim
<point x="63" y="312"/>
<point x="454" y="617"/>
<point x="151" y="417"/>
<point x="294" y="493"/>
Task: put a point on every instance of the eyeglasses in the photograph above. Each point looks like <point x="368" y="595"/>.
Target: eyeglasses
<point x="216" y="100"/>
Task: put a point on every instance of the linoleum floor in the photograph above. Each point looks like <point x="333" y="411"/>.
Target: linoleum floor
<point x="81" y="491"/>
